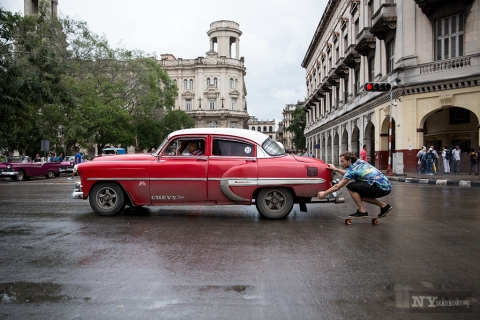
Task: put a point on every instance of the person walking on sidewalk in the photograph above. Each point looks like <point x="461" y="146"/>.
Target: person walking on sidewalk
<point x="369" y="184"/>
<point x="473" y="161"/>
<point x="447" y="157"/>
<point x="421" y="159"/>
<point x="430" y="160"/>
<point x="78" y="160"/>
<point x="456" y="159"/>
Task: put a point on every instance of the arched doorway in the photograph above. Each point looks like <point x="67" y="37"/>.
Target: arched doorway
<point x="355" y="141"/>
<point x="336" y="149"/>
<point x="344" y="146"/>
<point x="451" y="127"/>
<point x="329" y="149"/>
<point x="369" y="141"/>
<point x="382" y="153"/>
<point x="324" y="150"/>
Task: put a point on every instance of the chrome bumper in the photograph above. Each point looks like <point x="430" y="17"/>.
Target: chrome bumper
<point x="9" y="173"/>
<point x="77" y="192"/>
<point x="335" y="196"/>
<point x="63" y="170"/>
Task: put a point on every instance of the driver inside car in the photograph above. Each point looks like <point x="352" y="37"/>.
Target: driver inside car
<point x="193" y="147"/>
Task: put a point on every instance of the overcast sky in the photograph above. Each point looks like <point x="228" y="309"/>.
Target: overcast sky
<point x="275" y="37"/>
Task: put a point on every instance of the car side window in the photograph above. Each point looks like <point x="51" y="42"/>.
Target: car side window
<point x="230" y="148"/>
<point x="186" y="147"/>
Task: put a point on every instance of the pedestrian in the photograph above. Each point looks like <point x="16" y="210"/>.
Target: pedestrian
<point x="447" y="157"/>
<point x="50" y="157"/>
<point x="421" y="160"/>
<point x="364" y="182"/>
<point x="456" y="159"/>
<point x="312" y="155"/>
<point x="430" y="160"/>
<point x="473" y="161"/>
<point x="304" y="152"/>
<point x="363" y="153"/>
<point x="59" y="158"/>
<point x="435" y="168"/>
<point x="78" y="160"/>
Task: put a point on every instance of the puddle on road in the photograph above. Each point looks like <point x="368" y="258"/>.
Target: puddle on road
<point x="30" y="292"/>
<point x="238" y="288"/>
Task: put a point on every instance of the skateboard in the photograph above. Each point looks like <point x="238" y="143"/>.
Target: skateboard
<point x="348" y="220"/>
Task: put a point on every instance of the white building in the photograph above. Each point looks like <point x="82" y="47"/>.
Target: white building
<point x="285" y="136"/>
<point x="265" y="126"/>
<point x="431" y="46"/>
<point x="212" y="88"/>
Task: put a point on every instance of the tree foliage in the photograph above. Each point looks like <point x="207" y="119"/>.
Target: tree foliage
<point x="61" y="82"/>
<point x="297" y="126"/>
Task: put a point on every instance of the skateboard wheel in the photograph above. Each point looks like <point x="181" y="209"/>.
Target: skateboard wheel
<point x="348" y="221"/>
<point x="375" y="221"/>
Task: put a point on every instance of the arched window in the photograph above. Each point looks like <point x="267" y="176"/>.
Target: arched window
<point x="191" y="84"/>
<point x="253" y="128"/>
<point x="208" y="82"/>
<point x="232" y="83"/>
<point x="185" y="87"/>
<point x="265" y="129"/>
<point x="270" y="129"/>
<point x="259" y="129"/>
<point x="215" y="83"/>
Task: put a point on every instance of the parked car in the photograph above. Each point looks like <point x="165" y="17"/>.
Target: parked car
<point x="24" y="168"/>
<point x="235" y="167"/>
<point x="7" y="171"/>
<point x="67" y="164"/>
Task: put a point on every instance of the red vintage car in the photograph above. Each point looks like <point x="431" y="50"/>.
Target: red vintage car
<point x="230" y="167"/>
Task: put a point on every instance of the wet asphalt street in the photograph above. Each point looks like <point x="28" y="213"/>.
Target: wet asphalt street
<point x="59" y="260"/>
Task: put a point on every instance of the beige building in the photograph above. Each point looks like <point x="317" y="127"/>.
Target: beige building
<point x="31" y="7"/>
<point x="212" y="88"/>
<point x="265" y="126"/>
<point x="432" y="47"/>
<point x="283" y="135"/>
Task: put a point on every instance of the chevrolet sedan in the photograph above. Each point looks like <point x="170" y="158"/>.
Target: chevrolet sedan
<point x="207" y="166"/>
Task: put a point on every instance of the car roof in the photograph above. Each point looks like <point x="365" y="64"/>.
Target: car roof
<point x="256" y="136"/>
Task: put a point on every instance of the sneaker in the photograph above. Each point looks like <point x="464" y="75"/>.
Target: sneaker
<point x="384" y="211"/>
<point x="359" y="214"/>
<point x="69" y="178"/>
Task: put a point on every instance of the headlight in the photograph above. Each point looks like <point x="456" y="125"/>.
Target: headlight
<point x="9" y="166"/>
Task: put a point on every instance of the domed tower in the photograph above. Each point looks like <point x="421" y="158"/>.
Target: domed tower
<point x="31" y="7"/>
<point x="223" y="34"/>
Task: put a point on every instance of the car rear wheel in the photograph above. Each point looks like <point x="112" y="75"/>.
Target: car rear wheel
<point x="50" y="174"/>
<point x="274" y="203"/>
<point x="107" y="198"/>
<point x="20" y="176"/>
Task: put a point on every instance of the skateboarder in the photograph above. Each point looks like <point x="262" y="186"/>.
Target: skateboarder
<point x="369" y="184"/>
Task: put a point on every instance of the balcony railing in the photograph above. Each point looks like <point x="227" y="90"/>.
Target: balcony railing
<point x="445" y="65"/>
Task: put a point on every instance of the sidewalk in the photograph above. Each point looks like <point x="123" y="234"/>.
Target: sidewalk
<point x="462" y="179"/>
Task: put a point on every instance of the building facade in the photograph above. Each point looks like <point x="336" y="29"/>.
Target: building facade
<point x="265" y="126"/>
<point x="212" y="89"/>
<point x="31" y="7"/>
<point x="285" y="136"/>
<point x="429" y="51"/>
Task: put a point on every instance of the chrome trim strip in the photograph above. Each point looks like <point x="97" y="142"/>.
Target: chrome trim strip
<point x="280" y="181"/>
<point x="123" y="179"/>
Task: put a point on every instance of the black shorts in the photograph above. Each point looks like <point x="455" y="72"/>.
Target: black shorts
<point x="366" y="190"/>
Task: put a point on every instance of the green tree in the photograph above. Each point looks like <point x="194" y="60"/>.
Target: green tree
<point x="297" y="127"/>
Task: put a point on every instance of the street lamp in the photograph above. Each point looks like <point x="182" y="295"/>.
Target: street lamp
<point x="222" y="101"/>
<point x="200" y="103"/>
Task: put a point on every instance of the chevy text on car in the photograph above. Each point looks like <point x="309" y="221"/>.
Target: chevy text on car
<point x="207" y="166"/>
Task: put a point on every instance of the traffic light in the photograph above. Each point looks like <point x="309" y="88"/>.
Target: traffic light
<point x="377" y="86"/>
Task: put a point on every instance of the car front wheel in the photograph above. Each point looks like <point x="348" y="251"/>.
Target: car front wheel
<point x="20" y="176"/>
<point x="274" y="203"/>
<point x="50" y="174"/>
<point x="107" y="198"/>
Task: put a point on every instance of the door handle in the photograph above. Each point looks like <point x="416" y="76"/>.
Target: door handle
<point x="202" y="159"/>
<point x="251" y="160"/>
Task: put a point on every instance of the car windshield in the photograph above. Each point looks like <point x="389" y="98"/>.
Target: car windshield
<point x="273" y="148"/>
<point x="161" y="146"/>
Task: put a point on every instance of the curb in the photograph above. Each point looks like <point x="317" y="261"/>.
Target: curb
<point x="438" y="182"/>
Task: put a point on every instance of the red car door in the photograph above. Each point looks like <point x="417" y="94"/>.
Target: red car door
<point x="177" y="179"/>
<point x="232" y="171"/>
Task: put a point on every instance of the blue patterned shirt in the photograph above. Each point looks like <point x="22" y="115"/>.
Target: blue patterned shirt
<point x="363" y="171"/>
